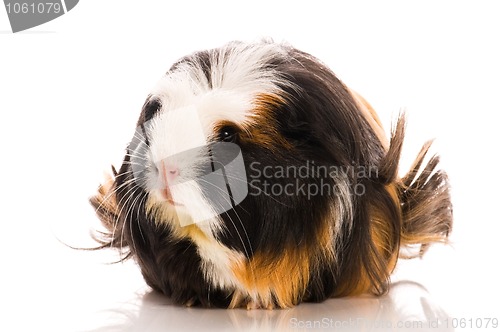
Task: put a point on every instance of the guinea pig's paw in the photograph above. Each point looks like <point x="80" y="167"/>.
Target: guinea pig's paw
<point x="191" y="302"/>
<point x="242" y="300"/>
<point x="252" y="304"/>
<point x="238" y="300"/>
<point x="259" y="304"/>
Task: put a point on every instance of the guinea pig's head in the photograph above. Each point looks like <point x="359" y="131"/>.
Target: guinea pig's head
<point x="249" y="181"/>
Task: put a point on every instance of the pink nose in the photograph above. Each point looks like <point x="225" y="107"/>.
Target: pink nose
<point x="170" y="172"/>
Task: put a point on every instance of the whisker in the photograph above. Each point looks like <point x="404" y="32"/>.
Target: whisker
<point x="223" y="190"/>
<point x="111" y="193"/>
<point x="129" y="214"/>
<point x="122" y="203"/>
<point x="142" y="205"/>
<point x="142" y="157"/>
<point x="129" y="195"/>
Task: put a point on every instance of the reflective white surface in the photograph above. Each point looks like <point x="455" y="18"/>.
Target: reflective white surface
<point x="70" y="93"/>
<point x="407" y="307"/>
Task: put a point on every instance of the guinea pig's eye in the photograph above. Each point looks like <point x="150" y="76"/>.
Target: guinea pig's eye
<point x="228" y="134"/>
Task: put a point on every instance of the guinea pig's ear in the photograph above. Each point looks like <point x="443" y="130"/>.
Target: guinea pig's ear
<point x="106" y="208"/>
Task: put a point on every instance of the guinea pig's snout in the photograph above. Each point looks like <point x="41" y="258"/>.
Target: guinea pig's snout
<point x="169" y="172"/>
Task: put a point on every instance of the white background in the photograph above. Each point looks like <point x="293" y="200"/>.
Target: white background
<point x="71" y="90"/>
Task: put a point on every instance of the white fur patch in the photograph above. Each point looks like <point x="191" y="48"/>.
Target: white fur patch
<point x="216" y="262"/>
<point x="238" y="73"/>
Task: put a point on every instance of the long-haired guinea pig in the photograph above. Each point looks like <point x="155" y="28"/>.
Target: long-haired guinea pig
<point x="255" y="178"/>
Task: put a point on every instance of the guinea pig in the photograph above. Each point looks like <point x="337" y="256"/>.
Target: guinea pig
<point x="255" y="178"/>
